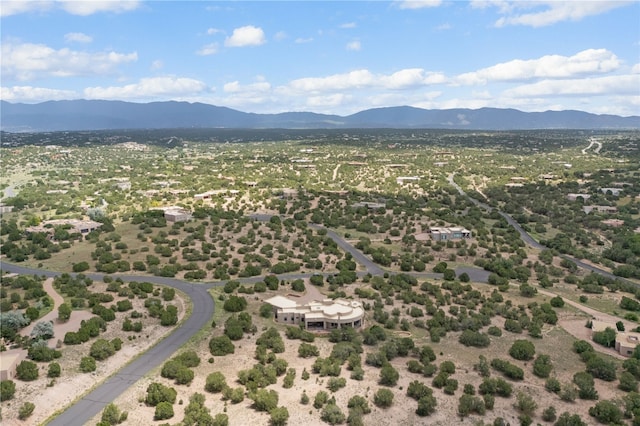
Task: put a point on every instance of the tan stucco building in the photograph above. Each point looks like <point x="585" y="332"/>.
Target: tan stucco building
<point x="318" y="315"/>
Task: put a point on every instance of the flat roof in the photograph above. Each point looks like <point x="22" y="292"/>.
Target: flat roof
<point x="281" y="302"/>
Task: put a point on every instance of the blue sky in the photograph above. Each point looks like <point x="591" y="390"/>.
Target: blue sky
<point x="335" y="57"/>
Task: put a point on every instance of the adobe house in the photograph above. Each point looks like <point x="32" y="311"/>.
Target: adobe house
<point x="78" y="226"/>
<point x="401" y="180"/>
<point x="9" y="360"/>
<point x="318" y="315"/>
<point x="451" y="233"/>
<point x="175" y="214"/>
<point x="626" y="342"/>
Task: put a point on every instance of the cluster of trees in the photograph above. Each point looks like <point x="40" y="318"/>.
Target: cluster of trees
<point x="179" y="368"/>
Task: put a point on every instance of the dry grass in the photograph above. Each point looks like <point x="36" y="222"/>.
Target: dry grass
<point x="556" y="342"/>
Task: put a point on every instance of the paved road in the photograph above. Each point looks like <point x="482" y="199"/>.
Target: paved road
<point x="203" y="308"/>
<point x="529" y="240"/>
<point x="92" y="403"/>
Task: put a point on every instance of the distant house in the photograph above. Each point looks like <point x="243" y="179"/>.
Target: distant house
<point x="574" y="197"/>
<point x="614" y="191"/>
<point x="175" y="214"/>
<point x="616" y="223"/>
<point x="319" y="315"/>
<point x="123" y="186"/>
<point x="369" y="205"/>
<point x="449" y="233"/>
<point x="401" y="180"/>
<point x="627" y="342"/>
<point x="5" y="209"/>
<point x="207" y="195"/>
<point x="78" y="226"/>
<point x="600" y="209"/>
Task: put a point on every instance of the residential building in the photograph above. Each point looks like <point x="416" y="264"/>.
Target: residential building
<point x="600" y="209"/>
<point x="626" y="342"/>
<point x="318" y="315"/>
<point x="9" y="360"/>
<point x="401" y="180"/>
<point x="449" y="233"/>
<point x="574" y="196"/>
<point x="78" y="226"/>
<point x="175" y="214"/>
<point x="614" y="191"/>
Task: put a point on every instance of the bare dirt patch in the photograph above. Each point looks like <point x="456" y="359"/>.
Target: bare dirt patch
<point x="51" y="395"/>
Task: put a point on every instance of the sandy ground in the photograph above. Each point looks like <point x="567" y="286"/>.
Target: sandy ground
<point x="49" y="399"/>
<point x="402" y="412"/>
<point x="51" y="395"/>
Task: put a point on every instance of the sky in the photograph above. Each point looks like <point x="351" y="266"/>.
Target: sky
<point x="333" y="57"/>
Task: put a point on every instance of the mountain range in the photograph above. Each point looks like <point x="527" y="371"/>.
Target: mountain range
<point x="110" y="115"/>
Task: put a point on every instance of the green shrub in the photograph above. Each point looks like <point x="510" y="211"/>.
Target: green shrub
<point x="606" y="412"/>
<point x="336" y="383"/>
<point x="221" y="345"/>
<point x="164" y="410"/>
<point x="7" y="390"/>
<point x="54" y="370"/>
<point x="26" y="410"/>
<point x="542" y="366"/>
<point x="157" y="393"/>
<point x="216" y="382"/>
<point x="474" y="338"/>
<point x="27" y="371"/>
<point x="522" y="350"/>
<point x="332" y="414"/>
<point x="102" y="349"/>
<point x="383" y="398"/>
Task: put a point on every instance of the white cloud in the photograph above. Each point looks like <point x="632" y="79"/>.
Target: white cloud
<point x="280" y="35"/>
<point x="418" y="4"/>
<point x="74" y="7"/>
<point x="34" y="94"/>
<point x="351" y="80"/>
<point x="301" y="40"/>
<point x="213" y="31"/>
<point x="332" y="101"/>
<point x="237" y="88"/>
<point x="600" y="86"/>
<point x="246" y="36"/>
<point x="411" y="77"/>
<point x="359" y="79"/>
<point x="149" y="88"/>
<point x="549" y="66"/>
<point x="89" y="7"/>
<point x="77" y="38"/>
<point x="26" y="61"/>
<point x="348" y="25"/>
<point x="208" y="49"/>
<point x="547" y="12"/>
<point x="157" y="65"/>
<point x="635" y="69"/>
<point x="353" y="45"/>
<point x="23" y="6"/>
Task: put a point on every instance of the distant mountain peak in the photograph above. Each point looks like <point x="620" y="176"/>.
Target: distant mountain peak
<point x="84" y="114"/>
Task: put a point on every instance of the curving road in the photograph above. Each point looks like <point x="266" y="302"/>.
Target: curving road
<point x="203" y="308"/>
<point x="529" y="240"/>
<point x="95" y="401"/>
